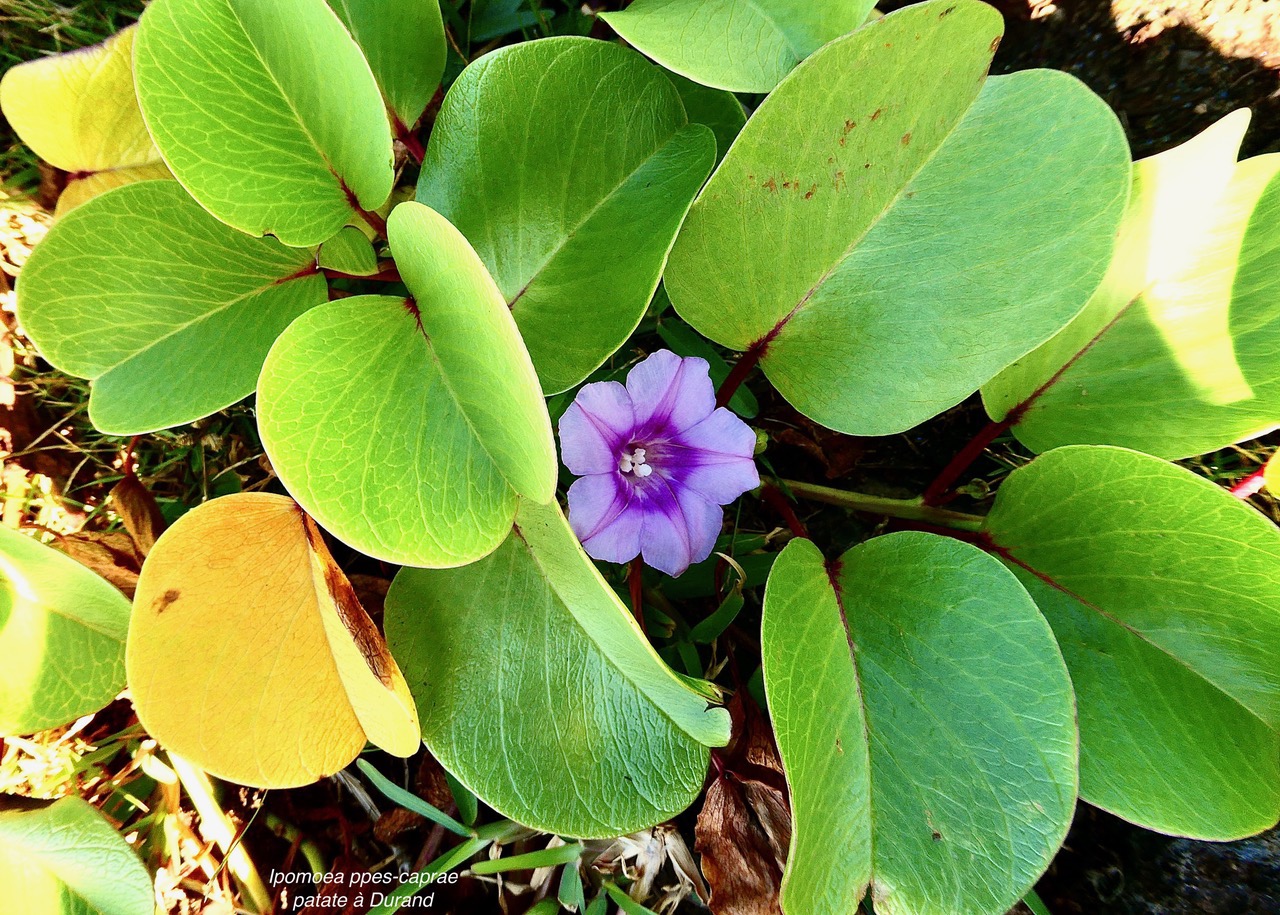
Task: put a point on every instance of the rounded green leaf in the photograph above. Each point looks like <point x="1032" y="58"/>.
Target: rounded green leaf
<point x="406" y="427"/>
<point x="858" y="236"/>
<point x="264" y="135"/>
<point x="1175" y="354"/>
<point x="926" y="724"/>
<point x="166" y="310"/>
<point x="404" y="43"/>
<point x="740" y="45"/>
<point x="350" y="251"/>
<point x="538" y="691"/>
<point x="62" y="634"/>
<point x="1164" y="593"/>
<point x="65" y="859"/>
<point x="716" y="108"/>
<point x="577" y="249"/>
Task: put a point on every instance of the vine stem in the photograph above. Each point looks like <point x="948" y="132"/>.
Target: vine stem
<point x="779" y="503"/>
<point x="741" y="369"/>
<point x="937" y="491"/>
<point x="907" y="509"/>
<point x="635" y="578"/>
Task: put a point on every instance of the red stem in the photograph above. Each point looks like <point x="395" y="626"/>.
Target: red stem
<point x="636" y="581"/>
<point x="778" y="502"/>
<point x="937" y="492"/>
<point x="1250" y="485"/>
<point x="406" y="135"/>
<point x="388" y="274"/>
<point x="750" y="359"/>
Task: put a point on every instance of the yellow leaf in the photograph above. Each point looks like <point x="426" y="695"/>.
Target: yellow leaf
<point x="250" y="655"/>
<point x="1271" y="474"/>
<point x="78" y="112"/>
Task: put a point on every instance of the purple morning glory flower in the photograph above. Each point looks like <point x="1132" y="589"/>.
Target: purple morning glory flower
<point x="657" y="460"/>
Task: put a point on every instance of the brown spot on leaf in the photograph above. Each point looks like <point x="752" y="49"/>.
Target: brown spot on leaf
<point x="906" y="138"/>
<point x="849" y="125"/>
<point x="808" y="195"/>
<point x="838" y="182"/>
<point x="947" y="12"/>
<point x="165" y="601"/>
<point x="876" y="114"/>
<point x="365" y="635"/>
<point x="995" y="43"/>
<point x="770" y="185"/>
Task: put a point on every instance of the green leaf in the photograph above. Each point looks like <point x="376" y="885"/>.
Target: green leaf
<point x="740" y="45"/>
<point x="167" y="311"/>
<point x="547" y="857"/>
<point x="350" y="251"/>
<point x="540" y="693"/>
<point x="858" y="236"/>
<point x="404" y="43"/>
<point x="925" y="721"/>
<point x="1175" y="353"/>
<point x="409" y="435"/>
<point x="716" y="108"/>
<point x="491" y="19"/>
<point x="266" y="137"/>
<point x="583" y="196"/>
<point x="1164" y="593"/>
<point x="62" y="634"/>
<point x="65" y="859"/>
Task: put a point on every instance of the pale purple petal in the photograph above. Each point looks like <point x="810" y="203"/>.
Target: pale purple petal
<point x="605" y="514"/>
<point x="595" y="428"/>
<point x="680" y="528"/>
<point x="715" y="458"/>
<point x="670" y="393"/>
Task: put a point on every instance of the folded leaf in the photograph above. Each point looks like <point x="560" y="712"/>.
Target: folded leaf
<point x="167" y="311"/>
<point x="1175" y="353"/>
<point x="403" y="41"/>
<point x="62" y="632"/>
<point x="249" y="653"/>
<point x="65" y="859"/>
<point x="926" y="725"/>
<point x="265" y="138"/>
<point x="407" y="428"/>
<point x="1164" y="593"/>
<point x="540" y="693"/>
<point x="858" y="237"/>
<point x="578" y="249"/>
<point x="740" y="45"/>
<point x="79" y="113"/>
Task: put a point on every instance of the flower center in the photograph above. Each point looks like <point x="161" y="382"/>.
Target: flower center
<point x="634" y="462"/>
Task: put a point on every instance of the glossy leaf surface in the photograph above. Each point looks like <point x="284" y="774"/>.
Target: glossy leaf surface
<point x="409" y="437"/>
<point x="1164" y="593"/>
<point x="739" y="45"/>
<point x="250" y="655"/>
<point x="62" y="633"/>
<point x="263" y="135"/>
<point x="539" y="692"/>
<point x="1175" y="354"/>
<point x="167" y="311"/>
<point x="578" y="249"/>
<point x="926" y="725"/>
<point x="858" y="234"/>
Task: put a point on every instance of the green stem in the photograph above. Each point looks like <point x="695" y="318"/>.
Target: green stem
<point x="909" y="509"/>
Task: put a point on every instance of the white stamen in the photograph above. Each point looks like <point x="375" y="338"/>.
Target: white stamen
<point x="635" y="463"/>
